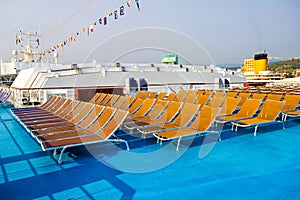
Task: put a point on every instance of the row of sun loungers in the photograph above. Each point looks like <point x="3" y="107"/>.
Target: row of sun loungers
<point x="5" y="93"/>
<point x="61" y="123"/>
<point x="269" y="89"/>
<point x="258" y="110"/>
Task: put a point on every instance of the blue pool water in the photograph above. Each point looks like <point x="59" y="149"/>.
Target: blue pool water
<point x="241" y="166"/>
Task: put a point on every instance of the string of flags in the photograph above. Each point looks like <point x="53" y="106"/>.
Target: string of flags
<point x="103" y="21"/>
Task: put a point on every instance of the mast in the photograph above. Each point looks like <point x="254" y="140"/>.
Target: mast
<point x="33" y="42"/>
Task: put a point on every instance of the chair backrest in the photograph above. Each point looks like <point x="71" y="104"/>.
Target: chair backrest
<point x="208" y="92"/>
<point x="48" y="102"/>
<point x="145" y="107"/>
<point x="191" y="92"/>
<point x="205" y="118"/>
<point x="127" y="103"/>
<point x="92" y="116"/>
<point x="171" y="97"/>
<point x="135" y="105"/>
<point x="113" y="124"/>
<point x="271" y="110"/>
<point x="291" y="102"/>
<point x="231" y="94"/>
<point x="75" y="111"/>
<point x="219" y="93"/>
<point x="100" y="98"/>
<point x="199" y="92"/>
<point x="190" y="98"/>
<point x="104" y="117"/>
<point x="67" y="102"/>
<point x="157" y="109"/>
<point x="106" y="99"/>
<point x="83" y="113"/>
<point x="170" y="112"/>
<point x="114" y="98"/>
<point x="161" y="96"/>
<point x="186" y="114"/>
<point x="95" y="97"/>
<point x="59" y="105"/>
<point x="249" y="108"/>
<point x="216" y="101"/>
<point x="152" y="95"/>
<point x="139" y="94"/>
<point x="119" y="102"/>
<point x="69" y="109"/>
<point x="6" y="96"/>
<point x="53" y="104"/>
<point x="203" y="99"/>
<point x="145" y="95"/>
<point x="229" y="106"/>
<point x="243" y="96"/>
<point x="261" y="96"/>
<point x="180" y="96"/>
<point x="276" y="97"/>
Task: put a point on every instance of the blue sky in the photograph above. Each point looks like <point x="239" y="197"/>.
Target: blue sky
<point x="223" y="31"/>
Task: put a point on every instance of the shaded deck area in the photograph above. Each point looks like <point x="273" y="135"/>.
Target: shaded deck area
<point x="241" y="166"/>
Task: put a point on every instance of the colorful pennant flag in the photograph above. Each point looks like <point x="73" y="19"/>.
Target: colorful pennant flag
<point x="122" y="10"/>
<point x="90" y="29"/>
<point x="17" y="39"/>
<point x="137" y="4"/>
<point x="116" y="14"/>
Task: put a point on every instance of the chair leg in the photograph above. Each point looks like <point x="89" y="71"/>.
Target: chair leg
<point x="283" y="124"/>
<point x="178" y="143"/>
<point x="60" y="155"/>
<point x="255" y="130"/>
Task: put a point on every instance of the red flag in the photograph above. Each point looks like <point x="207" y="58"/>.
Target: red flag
<point x="128" y="3"/>
<point x="91" y="29"/>
<point x="104" y="21"/>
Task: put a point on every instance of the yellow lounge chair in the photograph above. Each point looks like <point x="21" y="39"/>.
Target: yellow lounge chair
<point x="96" y="125"/>
<point x="155" y="111"/>
<point x="84" y="124"/>
<point x="167" y="116"/>
<point x="185" y="115"/>
<point x="161" y="96"/>
<point x="249" y="108"/>
<point x="201" y="124"/>
<point x="268" y="114"/>
<point x="102" y="134"/>
<point x="229" y="106"/>
<point x="119" y="102"/>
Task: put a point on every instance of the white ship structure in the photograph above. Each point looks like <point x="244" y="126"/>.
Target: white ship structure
<point x="33" y="81"/>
